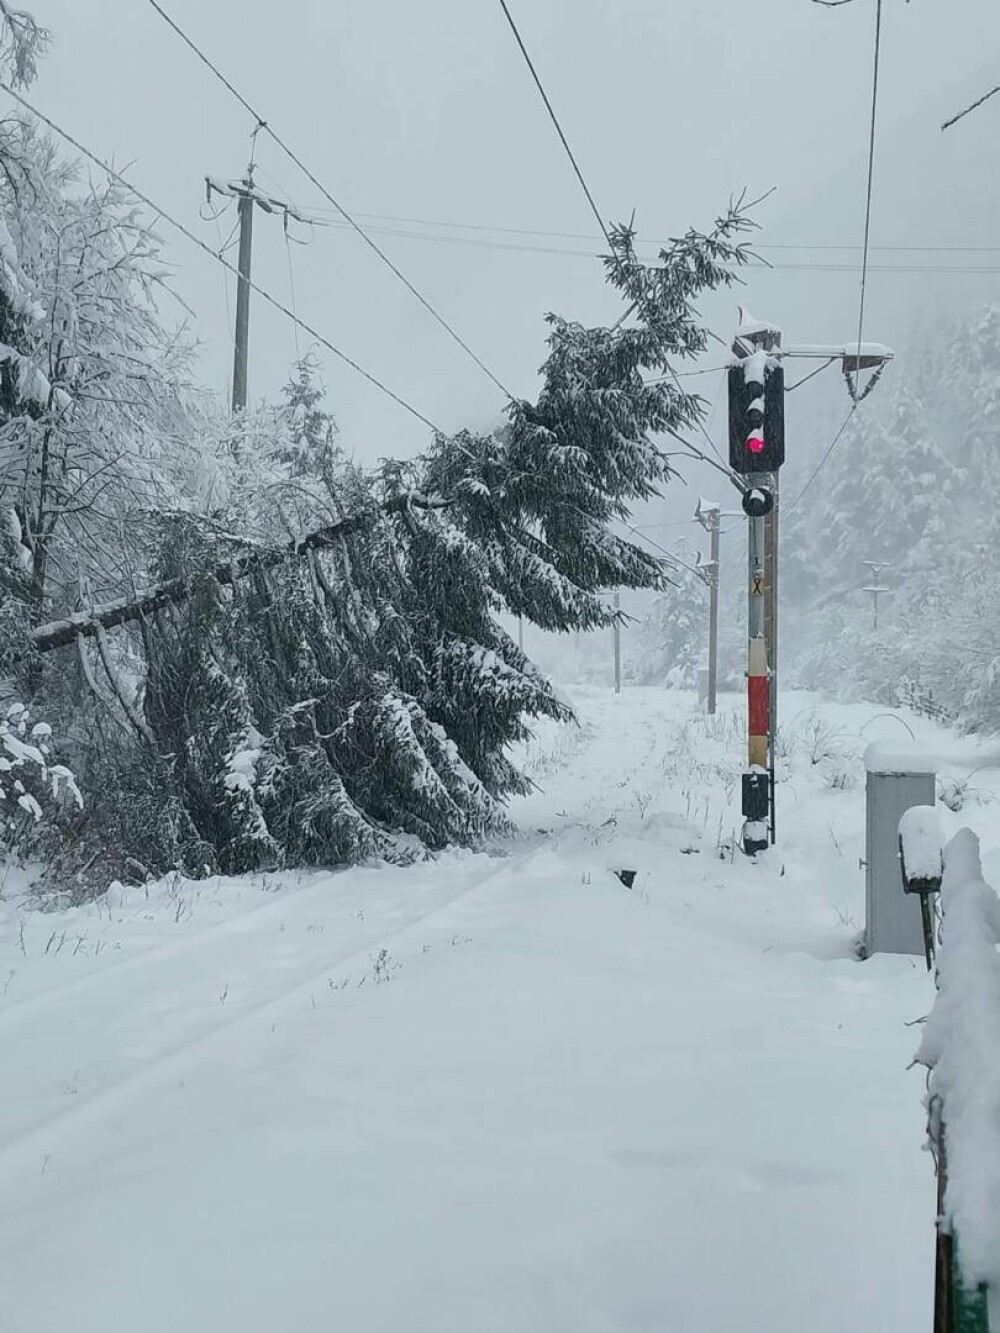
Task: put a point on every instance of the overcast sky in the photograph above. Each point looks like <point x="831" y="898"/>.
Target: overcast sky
<point x="426" y="110"/>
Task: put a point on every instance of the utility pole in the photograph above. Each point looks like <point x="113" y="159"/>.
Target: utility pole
<point x="875" y="588"/>
<point x="248" y="197"/>
<point x="618" y="642"/>
<point x="709" y="515"/>
<point x="245" y="208"/>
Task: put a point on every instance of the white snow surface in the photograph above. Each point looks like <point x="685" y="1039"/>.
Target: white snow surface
<point x="960" y="1045"/>
<point x="922" y="842"/>
<point x="899" y="757"/>
<point x="490" y="1092"/>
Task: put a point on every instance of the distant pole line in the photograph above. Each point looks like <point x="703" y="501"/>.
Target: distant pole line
<point x="196" y="240"/>
<point x="262" y="124"/>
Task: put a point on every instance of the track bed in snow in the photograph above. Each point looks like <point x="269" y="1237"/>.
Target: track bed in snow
<point x="491" y="1092"/>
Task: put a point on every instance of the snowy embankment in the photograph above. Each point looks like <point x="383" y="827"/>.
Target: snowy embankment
<point x="960" y="1046"/>
<point x="488" y="1093"/>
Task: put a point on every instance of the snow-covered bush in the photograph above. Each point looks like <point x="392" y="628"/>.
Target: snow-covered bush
<point x="30" y="783"/>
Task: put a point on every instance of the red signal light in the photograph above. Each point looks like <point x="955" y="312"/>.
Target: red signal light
<point x="755" y="443"/>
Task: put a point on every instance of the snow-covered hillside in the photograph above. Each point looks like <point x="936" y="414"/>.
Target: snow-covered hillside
<point x="491" y="1093"/>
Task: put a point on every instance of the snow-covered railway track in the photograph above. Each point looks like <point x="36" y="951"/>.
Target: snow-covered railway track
<point x="137" y="1023"/>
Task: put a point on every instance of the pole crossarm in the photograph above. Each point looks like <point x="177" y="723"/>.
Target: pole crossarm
<point x="246" y="189"/>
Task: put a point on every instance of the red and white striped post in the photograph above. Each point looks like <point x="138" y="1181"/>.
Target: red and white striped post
<point x="756" y="779"/>
<point x="758" y="704"/>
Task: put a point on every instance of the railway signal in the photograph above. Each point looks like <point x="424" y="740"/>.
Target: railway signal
<point x="756" y="453"/>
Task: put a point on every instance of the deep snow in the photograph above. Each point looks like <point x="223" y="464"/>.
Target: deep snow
<point x="491" y="1093"/>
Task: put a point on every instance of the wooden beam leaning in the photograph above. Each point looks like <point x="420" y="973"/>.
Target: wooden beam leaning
<point x="65" y="631"/>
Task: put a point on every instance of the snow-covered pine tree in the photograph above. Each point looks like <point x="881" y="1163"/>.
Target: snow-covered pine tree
<point x="325" y="706"/>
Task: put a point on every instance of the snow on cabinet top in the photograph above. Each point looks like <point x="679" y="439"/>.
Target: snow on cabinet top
<point x="898" y="757"/>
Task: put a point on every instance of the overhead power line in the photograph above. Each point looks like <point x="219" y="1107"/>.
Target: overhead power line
<point x="864" y="259"/>
<point x="196" y="240"/>
<point x="671" y="557"/>
<point x="871" y="172"/>
<point x="555" y="121"/>
<point x="502" y="229"/>
<point x="590" y="198"/>
<point x="483" y="243"/>
<point x="262" y="124"/>
<point x="953" y="120"/>
<point x="829" y="450"/>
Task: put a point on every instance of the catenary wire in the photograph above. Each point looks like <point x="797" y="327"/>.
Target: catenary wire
<point x="262" y="124"/>
<point x="196" y="240"/>
<point x="324" y="219"/>
<point x="871" y="173"/>
<point x="596" y="240"/>
<point x="819" y="466"/>
<point x="555" y="121"/>
<point x="671" y="555"/>
<point x="864" y="258"/>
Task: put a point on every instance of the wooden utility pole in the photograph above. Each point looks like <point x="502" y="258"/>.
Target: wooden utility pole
<point x="248" y="197"/>
<point x="240" y="353"/>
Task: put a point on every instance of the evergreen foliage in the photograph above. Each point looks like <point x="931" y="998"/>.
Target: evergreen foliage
<point x="336" y="699"/>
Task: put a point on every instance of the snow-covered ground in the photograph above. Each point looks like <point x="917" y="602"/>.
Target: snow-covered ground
<point x="492" y="1094"/>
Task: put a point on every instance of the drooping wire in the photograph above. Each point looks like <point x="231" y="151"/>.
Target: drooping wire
<point x="207" y="249"/>
<point x="856" y="398"/>
<point x="871" y="178"/>
<point x="555" y="121"/>
<point x="671" y="556"/>
<point x="291" y="288"/>
<point x="348" y="218"/>
<point x="819" y="466"/>
<point x="223" y="247"/>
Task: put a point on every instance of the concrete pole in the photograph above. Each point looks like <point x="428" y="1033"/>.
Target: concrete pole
<point x="618" y="644"/>
<point x="245" y="207"/>
<point x="713" y="612"/>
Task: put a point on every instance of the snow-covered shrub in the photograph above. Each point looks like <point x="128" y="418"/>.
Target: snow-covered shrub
<point x="30" y="783"/>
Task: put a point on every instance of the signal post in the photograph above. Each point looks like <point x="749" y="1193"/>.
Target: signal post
<point x="756" y="453"/>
